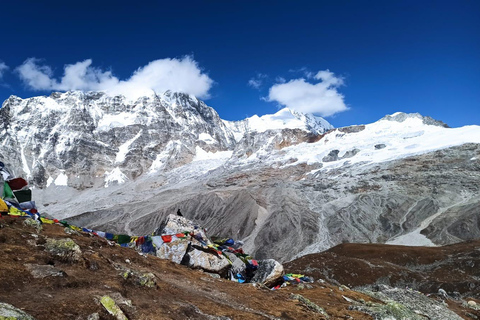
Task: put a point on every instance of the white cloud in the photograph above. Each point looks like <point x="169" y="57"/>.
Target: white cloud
<point x="309" y="97"/>
<point x="257" y="81"/>
<point x="182" y="75"/>
<point x="3" y="68"/>
<point x="254" y="83"/>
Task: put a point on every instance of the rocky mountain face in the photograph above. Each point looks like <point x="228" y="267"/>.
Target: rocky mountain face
<point x="90" y="139"/>
<point x="285" y="184"/>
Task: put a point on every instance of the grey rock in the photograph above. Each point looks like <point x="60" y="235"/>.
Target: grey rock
<point x="42" y="271"/>
<point x="7" y="311"/>
<point x="93" y="316"/>
<point x="238" y="266"/>
<point x="332" y="156"/>
<point x="174" y="251"/>
<point x="350" y="153"/>
<point x="198" y="257"/>
<point x="268" y="272"/>
<point x="380" y="146"/>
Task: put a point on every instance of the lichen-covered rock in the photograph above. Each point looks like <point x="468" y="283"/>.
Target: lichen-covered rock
<point x="112" y="308"/>
<point x="138" y="278"/>
<point x="309" y="304"/>
<point x="9" y="312"/>
<point x="268" y="272"/>
<point x="33" y="223"/>
<point x="65" y="250"/>
<point x="405" y="304"/>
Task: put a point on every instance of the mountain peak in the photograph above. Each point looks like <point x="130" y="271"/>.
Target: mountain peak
<point x="402" y="116"/>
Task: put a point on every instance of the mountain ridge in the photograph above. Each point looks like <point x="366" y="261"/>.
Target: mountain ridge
<point x="284" y="188"/>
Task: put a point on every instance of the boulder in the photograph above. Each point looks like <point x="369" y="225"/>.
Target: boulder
<point x="380" y="146"/>
<point x="139" y="278"/>
<point x="112" y="308"/>
<point x="65" y="250"/>
<point x="268" y="272"/>
<point x="198" y="257"/>
<point x="41" y="271"/>
<point x="332" y="156"/>
<point x="238" y="266"/>
<point x="7" y="311"/>
<point x="174" y="224"/>
<point x="174" y="251"/>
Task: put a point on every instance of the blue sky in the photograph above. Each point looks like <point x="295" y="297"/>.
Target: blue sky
<point x="249" y="57"/>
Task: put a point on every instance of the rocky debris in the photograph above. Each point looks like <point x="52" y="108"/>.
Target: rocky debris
<point x="309" y="304"/>
<point x="380" y="146"/>
<point x="406" y="304"/>
<point x="93" y="316"/>
<point x="180" y="293"/>
<point x="112" y="308"/>
<point x="9" y="312"/>
<point x="41" y="271"/>
<point x="137" y="278"/>
<point x="426" y="269"/>
<point x="268" y="272"/>
<point x="66" y="250"/>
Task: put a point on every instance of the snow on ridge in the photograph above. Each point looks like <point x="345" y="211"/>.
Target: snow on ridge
<point x="401" y="139"/>
<point x="283" y="119"/>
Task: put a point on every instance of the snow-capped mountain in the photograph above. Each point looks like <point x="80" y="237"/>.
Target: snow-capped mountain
<point x="288" y="181"/>
<point x="283" y="119"/>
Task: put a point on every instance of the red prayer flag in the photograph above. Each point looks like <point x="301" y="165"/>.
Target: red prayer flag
<point x="167" y="239"/>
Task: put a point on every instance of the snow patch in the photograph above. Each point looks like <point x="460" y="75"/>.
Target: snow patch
<point x="124" y="148"/>
<point x="114" y="176"/>
<point x="110" y="121"/>
<point x="201" y="154"/>
<point x="26" y="169"/>
<point x="61" y="180"/>
<point x="207" y="138"/>
<point x="49" y="181"/>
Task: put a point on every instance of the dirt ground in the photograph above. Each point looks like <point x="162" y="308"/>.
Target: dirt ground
<point x="453" y="268"/>
<point x="179" y="293"/>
